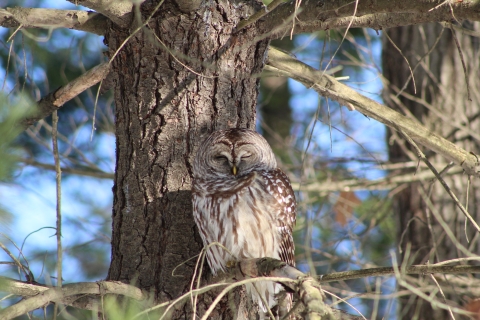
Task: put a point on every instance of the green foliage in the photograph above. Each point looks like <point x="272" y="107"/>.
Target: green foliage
<point x="126" y="309"/>
<point x="10" y="115"/>
<point x="11" y="112"/>
<point x="376" y="211"/>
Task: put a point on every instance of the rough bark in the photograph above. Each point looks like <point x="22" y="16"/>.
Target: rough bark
<point x="446" y="110"/>
<point x="163" y="111"/>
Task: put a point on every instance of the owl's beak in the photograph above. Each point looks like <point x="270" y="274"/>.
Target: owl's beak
<point x="234" y="170"/>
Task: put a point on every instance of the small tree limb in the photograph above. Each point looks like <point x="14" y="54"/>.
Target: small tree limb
<point x="119" y="11"/>
<point x="307" y="287"/>
<point x="77" y="170"/>
<point x="388" y="182"/>
<point x="328" y="87"/>
<point x="88" y="21"/>
<point x="55" y="100"/>
<point x="390" y="271"/>
<point x="40" y="296"/>
<point x="380" y="14"/>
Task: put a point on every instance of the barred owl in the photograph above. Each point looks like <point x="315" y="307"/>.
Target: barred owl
<point x="244" y="202"/>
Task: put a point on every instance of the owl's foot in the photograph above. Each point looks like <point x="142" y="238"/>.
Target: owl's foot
<point x="231" y="263"/>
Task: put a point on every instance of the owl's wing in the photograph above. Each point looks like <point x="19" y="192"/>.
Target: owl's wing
<point x="278" y="185"/>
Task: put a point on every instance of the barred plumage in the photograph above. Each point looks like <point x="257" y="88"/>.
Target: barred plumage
<point x="243" y="201"/>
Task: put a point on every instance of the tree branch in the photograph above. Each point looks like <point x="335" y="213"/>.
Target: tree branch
<point x="390" y="271"/>
<point x="327" y="86"/>
<point x="380" y="14"/>
<point x="52" y="18"/>
<point x="389" y="182"/>
<point x="77" y="170"/>
<point x="307" y="287"/>
<point x="56" y="99"/>
<point x="41" y="295"/>
<point x="119" y="11"/>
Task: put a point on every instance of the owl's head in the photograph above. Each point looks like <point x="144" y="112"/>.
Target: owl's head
<point x="233" y="153"/>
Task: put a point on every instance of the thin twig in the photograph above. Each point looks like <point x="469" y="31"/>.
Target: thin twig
<point x="406" y="60"/>
<point x="58" y="183"/>
<point x="17" y="262"/>
<point x="437" y="40"/>
<point x="444" y="225"/>
<point x="131" y="35"/>
<point x="434" y="303"/>
<point x="466" y="207"/>
<point x="346" y="302"/>
<point x="460" y="52"/>
<point x="237" y="284"/>
<point x="258" y="15"/>
<point x="422" y="157"/>
<point x="443" y="295"/>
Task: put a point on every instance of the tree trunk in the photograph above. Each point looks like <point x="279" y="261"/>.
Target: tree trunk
<point x="446" y="110"/>
<point x="170" y="93"/>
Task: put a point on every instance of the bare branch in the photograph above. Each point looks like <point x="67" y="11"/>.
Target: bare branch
<point x="119" y="11"/>
<point x="390" y="271"/>
<point x="41" y="296"/>
<point x="381" y="14"/>
<point x="52" y="18"/>
<point x="444" y="184"/>
<point x="306" y="286"/>
<point x="328" y="87"/>
<point x="78" y="170"/>
<point x="386" y="183"/>
<point x="56" y="99"/>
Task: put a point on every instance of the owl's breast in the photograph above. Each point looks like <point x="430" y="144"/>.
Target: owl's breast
<point x="240" y="216"/>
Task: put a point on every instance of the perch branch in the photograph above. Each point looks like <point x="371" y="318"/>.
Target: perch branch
<point x="380" y="14"/>
<point x="307" y="287"/>
<point x="52" y="18"/>
<point x="259" y="269"/>
<point x="328" y="87"/>
<point x="55" y="100"/>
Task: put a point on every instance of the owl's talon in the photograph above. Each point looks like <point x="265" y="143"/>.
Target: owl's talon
<point x="231" y="263"/>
